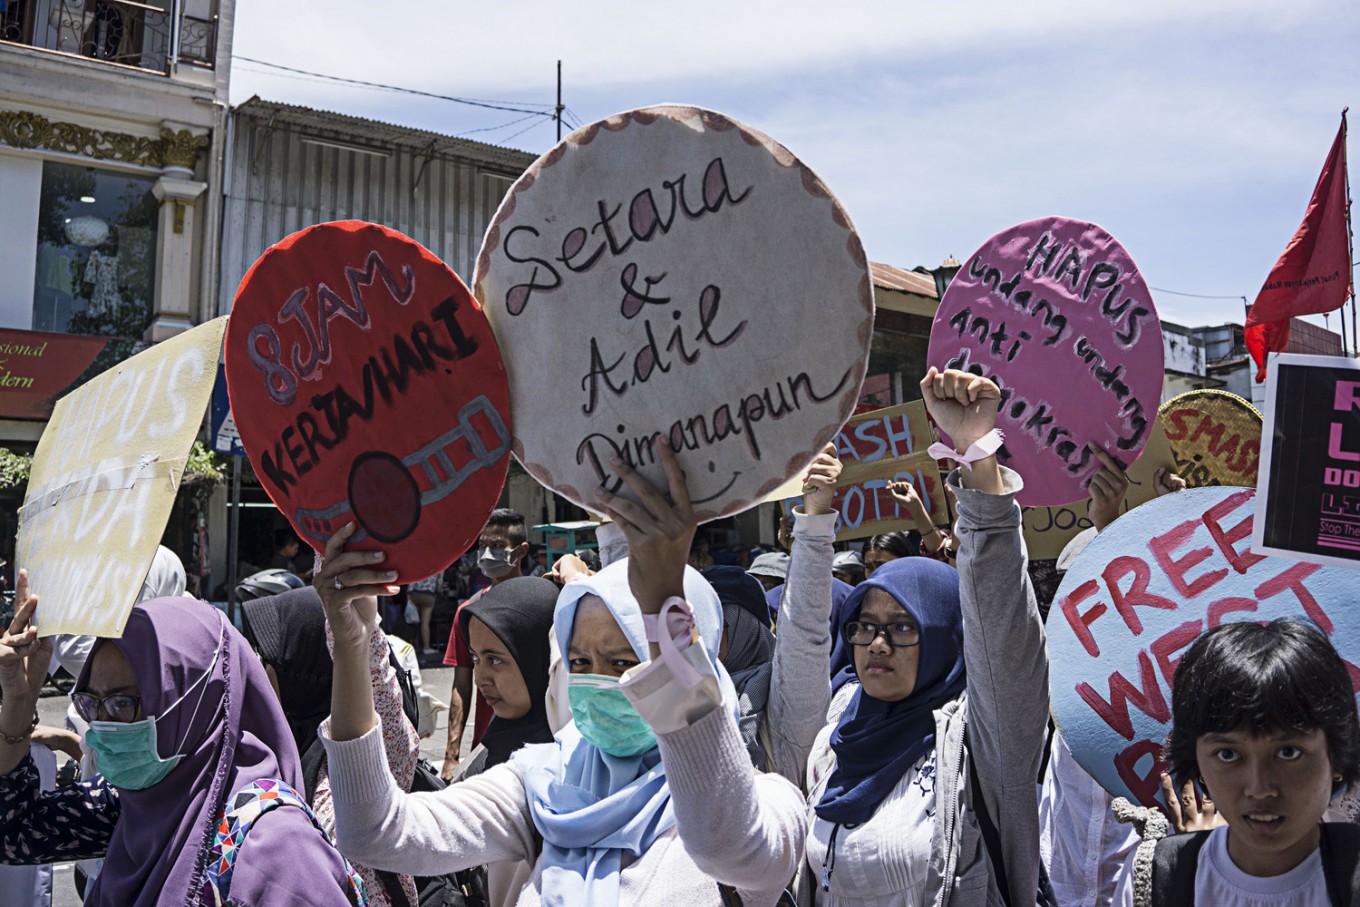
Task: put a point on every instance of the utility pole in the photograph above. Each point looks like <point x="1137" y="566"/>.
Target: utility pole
<point x="558" y="115"/>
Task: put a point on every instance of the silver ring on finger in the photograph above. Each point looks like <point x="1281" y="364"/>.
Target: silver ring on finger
<point x="338" y="584"/>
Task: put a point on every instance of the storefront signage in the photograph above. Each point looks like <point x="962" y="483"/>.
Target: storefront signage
<point x="37" y="368"/>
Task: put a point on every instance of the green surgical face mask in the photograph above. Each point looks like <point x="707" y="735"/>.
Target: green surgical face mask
<point x="126" y="753"/>
<point x="606" y="718"/>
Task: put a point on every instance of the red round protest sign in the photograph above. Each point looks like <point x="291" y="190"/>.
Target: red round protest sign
<point x="1056" y="313"/>
<point x="367" y="387"/>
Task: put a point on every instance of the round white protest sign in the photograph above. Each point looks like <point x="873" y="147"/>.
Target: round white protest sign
<point x="1055" y="312"/>
<point x="669" y="275"/>
<point x="1140" y="594"/>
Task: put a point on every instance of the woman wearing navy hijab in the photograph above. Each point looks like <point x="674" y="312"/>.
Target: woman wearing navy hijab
<point x="942" y="710"/>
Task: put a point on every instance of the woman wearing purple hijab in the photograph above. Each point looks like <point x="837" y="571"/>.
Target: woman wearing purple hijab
<point x="183" y="721"/>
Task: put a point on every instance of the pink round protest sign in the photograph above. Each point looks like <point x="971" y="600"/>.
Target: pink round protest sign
<point x="367" y="386"/>
<point x="671" y="276"/>
<point x="1055" y="312"/>
<point x="1137" y="598"/>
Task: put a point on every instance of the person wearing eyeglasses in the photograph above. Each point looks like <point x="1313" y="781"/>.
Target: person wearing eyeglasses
<point x="922" y="783"/>
<point x="193" y="751"/>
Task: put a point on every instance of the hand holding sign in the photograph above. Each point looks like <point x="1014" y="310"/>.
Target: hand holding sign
<point x="1167" y="482"/>
<point x="24" y="658"/>
<point x="1108" y="486"/>
<point x="348" y="584"/>
<point x="660" y="529"/>
<point x="819" y="485"/>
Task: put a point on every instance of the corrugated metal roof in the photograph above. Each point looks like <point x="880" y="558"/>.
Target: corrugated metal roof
<point x="890" y="278"/>
<point x="385" y="134"/>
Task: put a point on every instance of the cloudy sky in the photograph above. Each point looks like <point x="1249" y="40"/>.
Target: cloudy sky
<point x="1193" y="130"/>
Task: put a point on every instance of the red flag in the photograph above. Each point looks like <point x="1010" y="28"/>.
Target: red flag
<point x="1314" y="273"/>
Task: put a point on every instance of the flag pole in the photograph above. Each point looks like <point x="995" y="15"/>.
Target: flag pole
<point x="1350" y="235"/>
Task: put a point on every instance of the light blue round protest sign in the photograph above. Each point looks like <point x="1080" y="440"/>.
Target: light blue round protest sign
<point x="1136" y="599"/>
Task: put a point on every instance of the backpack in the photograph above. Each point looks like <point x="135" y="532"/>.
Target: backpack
<point x="246" y="808"/>
<point x="466" y="888"/>
<point x="1176" y="860"/>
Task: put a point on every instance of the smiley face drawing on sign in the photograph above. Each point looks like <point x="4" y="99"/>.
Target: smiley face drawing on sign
<point x="368" y="387"/>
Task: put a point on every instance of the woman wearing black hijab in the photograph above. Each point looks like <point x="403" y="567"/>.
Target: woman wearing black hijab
<point x="289" y="633"/>
<point x="508" y="630"/>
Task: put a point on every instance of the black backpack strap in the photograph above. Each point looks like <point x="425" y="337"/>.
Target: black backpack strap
<point x="1048" y="749"/>
<point x="1340" y="851"/>
<point x="1174" y="863"/>
<point x="392" y="885"/>
<point x="991" y="837"/>
<point x="313" y="761"/>
<point x="410" y="702"/>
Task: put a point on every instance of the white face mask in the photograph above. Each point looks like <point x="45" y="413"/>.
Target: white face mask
<point x="495" y="562"/>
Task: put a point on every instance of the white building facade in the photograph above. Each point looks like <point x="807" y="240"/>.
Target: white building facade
<point x="112" y="116"/>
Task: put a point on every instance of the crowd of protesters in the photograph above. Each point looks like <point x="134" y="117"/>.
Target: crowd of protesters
<point x="650" y="726"/>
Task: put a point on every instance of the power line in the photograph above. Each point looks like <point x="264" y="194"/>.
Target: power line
<point x="494" y="128"/>
<point x="474" y="102"/>
<point x="522" y="131"/>
<point x="1196" y="295"/>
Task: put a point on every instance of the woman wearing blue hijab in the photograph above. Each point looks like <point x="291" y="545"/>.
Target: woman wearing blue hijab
<point x="937" y="724"/>
<point x="647" y="797"/>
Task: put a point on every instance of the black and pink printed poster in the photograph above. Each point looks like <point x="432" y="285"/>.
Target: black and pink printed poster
<point x="1309" y="505"/>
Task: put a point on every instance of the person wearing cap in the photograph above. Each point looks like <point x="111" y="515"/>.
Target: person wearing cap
<point x="770" y="569"/>
<point x="848" y="567"/>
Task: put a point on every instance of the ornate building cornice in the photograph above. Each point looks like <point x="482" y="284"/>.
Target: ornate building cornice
<point x="23" y="129"/>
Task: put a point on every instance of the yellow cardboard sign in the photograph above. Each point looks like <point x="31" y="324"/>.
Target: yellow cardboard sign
<point x="878" y="447"/>
<point x="1049" y="529"/>
<point x="104" y="479"/>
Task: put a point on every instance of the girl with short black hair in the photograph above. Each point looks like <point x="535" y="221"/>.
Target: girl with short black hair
<point x="1264" y="719"/>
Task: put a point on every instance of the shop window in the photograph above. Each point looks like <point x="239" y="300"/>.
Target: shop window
<point x="897" y="359"/>
<point x="96" y="252"/>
